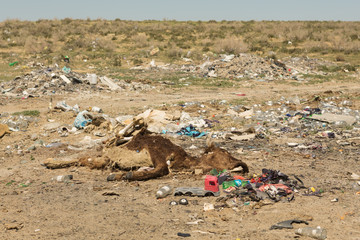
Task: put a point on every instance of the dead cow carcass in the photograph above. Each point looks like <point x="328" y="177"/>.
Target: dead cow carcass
<point x="145" y="149"/>
<point x="165" y="155"/>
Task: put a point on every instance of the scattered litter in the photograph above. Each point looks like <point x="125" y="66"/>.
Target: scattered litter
<point x="82" y="119"/>
<point x="208" y="207"/>
<point x="287" y="224"/>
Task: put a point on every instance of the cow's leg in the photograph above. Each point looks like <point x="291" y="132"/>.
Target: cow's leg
<point x="159" y="171"/>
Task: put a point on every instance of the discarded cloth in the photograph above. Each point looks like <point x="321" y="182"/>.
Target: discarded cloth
<point x="191" y="131"/>
<point x="80" y="120"/>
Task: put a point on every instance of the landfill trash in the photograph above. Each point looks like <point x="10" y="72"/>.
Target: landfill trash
<point x="96" y="109"/>
<point x="67" y="59"/>
<point x="334" y="200"/>
<point x="51" y="126"/>
<point x="19" y="123"/>
<point x="211" y="188"/>
<point x="154" y="51"/>
<point x="65" y="79"/>
<point x="291" y="144"/>
<point x="50" y="80"/>
<point x="163" y="192"/>
<point x="191" y="131"/>
<point x="183" y="234"/>
<point x="54" y="145"/>
<point x="333" y="118"/>
<point x="81" y="120"/>
<point x="287" y="224"/>
<point x="66" y="69"/>
<point x="173" y="203"/>
<point x="313" y="192"/>
<point x="196" y="222"/>
<point x="152" y="64"/>
<point x="157" y="121"/>
<point x="63" y="178"/>
<point x="107" y="81"/>
<point x="183" y="201"/>
<point x="317" y="233"/>
<point x="65" y="107"/>
<point x="13" y="63"/>
<point x="246" y="137"/>
<point x="110" y="194"/>
<point x="271" y="185"/>
<point x="194" y="191"/>
<point x="354" y="176"/>
<point x="92" y="78"/>
<point x="208" y="207"/>
<point x="228" y="58"/>
<point x="211" y="183"/>
<point x="356" y="185"/>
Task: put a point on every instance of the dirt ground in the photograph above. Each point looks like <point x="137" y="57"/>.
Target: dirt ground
<point x="33" y="206"/>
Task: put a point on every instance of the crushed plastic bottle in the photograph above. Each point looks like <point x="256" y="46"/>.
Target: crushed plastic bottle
<point x="317" y="233"/>
<point x="163" y="192"/>
<point x="63" y="178"/>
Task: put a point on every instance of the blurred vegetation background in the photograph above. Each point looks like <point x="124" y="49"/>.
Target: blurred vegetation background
<point x="122" y="44"/>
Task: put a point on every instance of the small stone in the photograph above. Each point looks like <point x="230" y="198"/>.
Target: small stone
<point x="31" y="148"/>
<point x="34" y="137"/>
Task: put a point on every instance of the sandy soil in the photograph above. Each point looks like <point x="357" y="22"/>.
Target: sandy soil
<point x="33" y="206"/>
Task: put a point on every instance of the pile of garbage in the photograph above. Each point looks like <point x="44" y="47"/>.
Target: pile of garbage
<point x="53" y="80"/>
<point x="246" y="66"/>
<point x="306" y="65"/>
<point x="249" y="66"/>
<point x="271" y="186"/>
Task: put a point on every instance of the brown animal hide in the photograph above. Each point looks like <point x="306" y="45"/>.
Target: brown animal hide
<point x="164" y="156"/>
<point x="162" y="150"/>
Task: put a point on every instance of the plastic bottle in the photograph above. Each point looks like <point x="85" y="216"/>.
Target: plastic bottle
<point x="317" y="233"/>
<point x="63" y="178"/>
<point x="163" y="192"/>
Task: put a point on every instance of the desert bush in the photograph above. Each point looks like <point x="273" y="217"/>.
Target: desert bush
<point x="116" y="61"/>
<point x="230" y="45"/>
<point x="66" y="21"/>
<point x="137" y="61"/>
<point x="140" y="40"/>
<point x="349" y="67"/>
<point x="337" y="68"/>
<point x="33" y="45"/>
<point x="174" y="52"/>
<point x="41" y="28"/>
<point x="195" y="55"/>
<point x="354" y="37"/>
<point x="106" y="45"/>
<point x="77" y="43"/>
<point x="3" y="44"/>
<point x="340" y="58"/>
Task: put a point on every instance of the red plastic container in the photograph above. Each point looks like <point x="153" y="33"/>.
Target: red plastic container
<point x="211" y="183"/>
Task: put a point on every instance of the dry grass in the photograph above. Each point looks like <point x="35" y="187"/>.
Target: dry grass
<point x="133" y="40"/>
<point x="140" y="40"/>
<point x="230" y="45"/>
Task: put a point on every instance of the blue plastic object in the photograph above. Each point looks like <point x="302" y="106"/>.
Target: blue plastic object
<point x="80" y="120"/>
